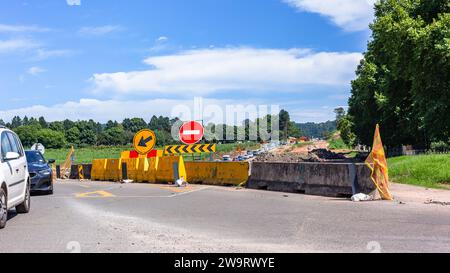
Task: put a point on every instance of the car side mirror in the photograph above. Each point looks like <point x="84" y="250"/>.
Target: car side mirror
<point x="51" y="161"/>
<point x="11" y="156"/>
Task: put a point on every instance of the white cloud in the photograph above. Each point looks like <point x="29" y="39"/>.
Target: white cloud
<point x="35" y="70"/>
<point x="351" y="15"/>
<point x="162" y="39"/>
<point x="205" y="71"/>
<point x="15" y="28"/>
<point x="43" y="54"/>
<point x="73" y="2"/>
<point x="99" y="31"/>
<point x="103" y="111"/>
<point x="16" y="45"/>
<point x="312" y="115"/>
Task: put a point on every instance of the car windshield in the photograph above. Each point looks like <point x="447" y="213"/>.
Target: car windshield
<point x="34" y="157"/>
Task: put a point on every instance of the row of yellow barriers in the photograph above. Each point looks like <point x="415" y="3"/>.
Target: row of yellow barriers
<point x="169" y="168"/>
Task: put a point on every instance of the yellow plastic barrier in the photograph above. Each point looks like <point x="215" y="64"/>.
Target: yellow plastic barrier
<point x="113" y="170"/>
<point x="150" y="173"/>
<point x="165" y="169"/>
<point x="141" y="170"/>
<point x="98" y="169"/>
<point x="132" y="167"/>
<point x="217" y="173"/>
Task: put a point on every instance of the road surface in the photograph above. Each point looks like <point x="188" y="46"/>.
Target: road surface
<point x="109" y="217"/>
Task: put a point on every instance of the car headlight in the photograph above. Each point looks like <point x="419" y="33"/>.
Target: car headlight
<point x="44" y="172"/>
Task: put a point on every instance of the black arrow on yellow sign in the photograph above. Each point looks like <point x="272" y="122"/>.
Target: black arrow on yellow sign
<point x="143" y="142"/>
<point x="190" y="149"/>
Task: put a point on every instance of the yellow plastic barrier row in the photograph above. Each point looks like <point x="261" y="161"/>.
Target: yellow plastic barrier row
<point x="167" y="169"/>
<point x="152" y="170"/>
<point x="217" y="173"/>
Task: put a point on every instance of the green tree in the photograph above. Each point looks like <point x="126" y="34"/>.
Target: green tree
<point x="28" y="134"/>
<point x="73" y="136"/>
<point x="134" y="125"/>
<point x="16" y="122"/>
<point x="403" y="81"/>
<point x="51" y="139"/>
<point x="345" y="127"/>
<point x="43" y="122"/>
<point x="56" y="126"/>
<point x="340" y="113"/>
<point x="284" y="119"/>
<point x="294" y="130"/>
<point x="112" y="136"/>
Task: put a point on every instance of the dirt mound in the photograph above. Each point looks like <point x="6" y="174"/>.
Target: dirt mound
<point x="327" y="154"/>
<point x="287" y="158"/>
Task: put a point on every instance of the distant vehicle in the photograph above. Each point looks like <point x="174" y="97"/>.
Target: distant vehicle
<point x="256" y="152"/>
<point x="41" y="172"/>
<point x="240" y="158"/>
<point x="14" y="177"/>
<point x="226" y="158"/>
<point x="250" y="154"/>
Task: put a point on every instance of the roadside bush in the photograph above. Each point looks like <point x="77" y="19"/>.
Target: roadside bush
<point x="28" y="134"/>
<point x="440" y="147"/>
<point x="51" y="139"/>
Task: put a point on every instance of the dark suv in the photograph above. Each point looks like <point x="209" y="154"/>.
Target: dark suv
<point x="41" y="172"/>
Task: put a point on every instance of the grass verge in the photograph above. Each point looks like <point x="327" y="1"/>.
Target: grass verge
<point x="431" y="170"/>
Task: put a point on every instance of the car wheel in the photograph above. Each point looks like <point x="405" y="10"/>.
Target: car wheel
<point x="25" y="206"/>
<point x="3" y="209"/>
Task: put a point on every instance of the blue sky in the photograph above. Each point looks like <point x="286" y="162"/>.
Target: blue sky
<point x="102" y="59"/>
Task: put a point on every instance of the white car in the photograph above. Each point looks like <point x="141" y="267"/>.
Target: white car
<point x="14" y="177"/>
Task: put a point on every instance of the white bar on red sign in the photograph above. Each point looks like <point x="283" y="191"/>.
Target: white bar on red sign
<point x="191" y="132"/>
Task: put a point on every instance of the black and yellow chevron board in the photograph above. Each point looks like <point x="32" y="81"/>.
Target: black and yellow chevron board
<point x="190" y="149"/>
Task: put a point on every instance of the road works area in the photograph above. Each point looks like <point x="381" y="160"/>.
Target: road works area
<point x="111" y="217"/>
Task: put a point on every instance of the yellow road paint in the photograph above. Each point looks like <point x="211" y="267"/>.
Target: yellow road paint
<point x="85" y="186"/>
<point x="176" y="189"/>
<point x="95" y="194"/>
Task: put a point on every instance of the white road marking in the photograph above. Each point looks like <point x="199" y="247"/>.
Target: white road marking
<point x="191" y="132"/>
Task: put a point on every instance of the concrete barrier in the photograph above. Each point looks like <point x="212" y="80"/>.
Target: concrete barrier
<point x="217" y="173"/>
<point x="326" y="179"/>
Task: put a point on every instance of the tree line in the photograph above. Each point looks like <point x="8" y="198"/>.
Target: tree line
<point x="403" y="81"/>
<point x="85" y="133"/>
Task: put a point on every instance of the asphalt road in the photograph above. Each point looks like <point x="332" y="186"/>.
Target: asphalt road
<point x="108" y="217"/>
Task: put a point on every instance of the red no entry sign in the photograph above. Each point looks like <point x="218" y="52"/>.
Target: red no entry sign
<point x="191" y="132"/>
